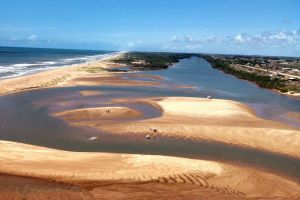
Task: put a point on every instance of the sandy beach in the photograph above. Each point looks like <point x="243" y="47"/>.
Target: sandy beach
<point x="35" y="172"/>
<point x="92" y="170"/>
<point x="56" y="77"/>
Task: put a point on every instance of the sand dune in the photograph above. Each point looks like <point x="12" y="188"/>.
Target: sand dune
<point x="94" y="170"/>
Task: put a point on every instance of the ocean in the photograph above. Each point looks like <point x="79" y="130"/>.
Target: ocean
<point x="17" y="61"/>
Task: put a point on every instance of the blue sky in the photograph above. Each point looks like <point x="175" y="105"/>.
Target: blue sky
<point x="266" y="27"/>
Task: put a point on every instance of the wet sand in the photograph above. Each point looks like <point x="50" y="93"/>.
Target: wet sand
<point x="36" y="172"/>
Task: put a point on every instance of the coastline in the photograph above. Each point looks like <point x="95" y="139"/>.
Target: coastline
<point x="217" y="120"/>
<point x="53" y="77"/>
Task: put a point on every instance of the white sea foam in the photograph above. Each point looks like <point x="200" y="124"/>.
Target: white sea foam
<point x="6" y="69"/>
<point x="48" y="63"/>
<point x="23" y="65"/>
<point x="69" y="59"/>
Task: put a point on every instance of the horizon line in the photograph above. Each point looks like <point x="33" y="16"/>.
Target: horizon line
<point x="133" y="51"/>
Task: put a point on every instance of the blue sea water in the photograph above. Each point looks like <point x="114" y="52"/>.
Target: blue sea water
<point x="17" y="61"/>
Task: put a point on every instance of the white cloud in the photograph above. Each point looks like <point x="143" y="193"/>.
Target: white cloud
<point x="239" y="38"/>
<point x="183" y="42"/>
<point x="275" y="39"/>
<point x="32" y="37"/>
<point x="275" y="42"/>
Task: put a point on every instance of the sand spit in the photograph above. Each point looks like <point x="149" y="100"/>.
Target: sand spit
<point x="93" y="170"/>
<point x="208" y="119"/>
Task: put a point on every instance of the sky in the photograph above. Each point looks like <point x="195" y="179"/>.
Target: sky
<point x="260" y="27"/>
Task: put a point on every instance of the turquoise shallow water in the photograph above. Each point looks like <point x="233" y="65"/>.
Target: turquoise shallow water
<point x="25" y="118"/>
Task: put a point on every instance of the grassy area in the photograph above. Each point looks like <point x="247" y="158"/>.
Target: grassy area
<point x="150" y="61"/>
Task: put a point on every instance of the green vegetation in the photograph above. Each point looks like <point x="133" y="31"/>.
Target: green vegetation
<point x="150" y="61"/>
<point x="260" y="80"/>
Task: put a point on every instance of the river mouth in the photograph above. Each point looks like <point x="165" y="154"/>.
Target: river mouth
<point x="27" y="117"/>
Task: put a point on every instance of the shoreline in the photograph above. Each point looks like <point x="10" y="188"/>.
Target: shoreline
<point x="56" y="64"/>
<point x="228" y="69"/>
<point x="287" y="94"/>
<point x="53" y="77"/>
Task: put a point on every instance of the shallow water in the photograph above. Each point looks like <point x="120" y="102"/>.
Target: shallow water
<point x="208" y="81"/>
<point x="25" y="117"/>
